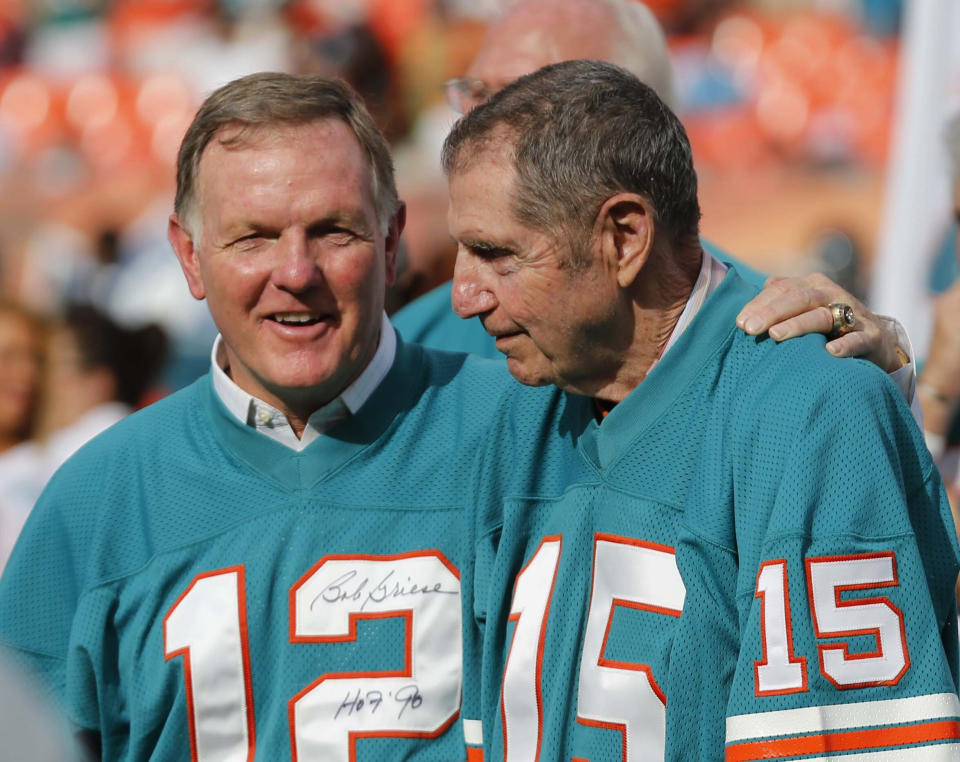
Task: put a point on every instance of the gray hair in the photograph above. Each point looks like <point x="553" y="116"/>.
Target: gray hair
<point x="580" y="132"/>
<point x="269" y="99"/>
<point x="640" y="47"/>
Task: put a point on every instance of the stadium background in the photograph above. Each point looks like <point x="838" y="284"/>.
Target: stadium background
<point x="797" y="111"/>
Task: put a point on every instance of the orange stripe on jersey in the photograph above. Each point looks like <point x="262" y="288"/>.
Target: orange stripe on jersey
<point x="474" y="754"/>
<point x="856" y="740"/>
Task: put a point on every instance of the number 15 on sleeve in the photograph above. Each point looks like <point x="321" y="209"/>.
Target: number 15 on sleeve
<point x="856" y="643"/>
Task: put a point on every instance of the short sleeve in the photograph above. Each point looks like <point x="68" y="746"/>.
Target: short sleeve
<point x="819" y="559"/>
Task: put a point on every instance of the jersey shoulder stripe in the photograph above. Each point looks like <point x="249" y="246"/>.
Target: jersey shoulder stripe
<point x="895" y="726"/>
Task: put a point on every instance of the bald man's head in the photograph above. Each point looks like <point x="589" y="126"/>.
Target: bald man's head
<point x="534" y="33"/>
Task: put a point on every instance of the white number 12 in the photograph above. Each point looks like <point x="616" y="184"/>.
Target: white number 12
<point x="207" y="626"/>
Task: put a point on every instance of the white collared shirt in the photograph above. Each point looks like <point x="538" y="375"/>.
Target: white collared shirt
<point x="266" y="419"/>
<point x="712" y="272"/>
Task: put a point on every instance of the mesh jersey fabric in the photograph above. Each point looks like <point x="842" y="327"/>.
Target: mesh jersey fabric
<point x="733" y="452"/>
<point x="188" y="586"/>
<point x="429" y="320"/>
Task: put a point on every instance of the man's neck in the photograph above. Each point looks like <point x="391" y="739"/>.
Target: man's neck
<point x="658" y="300"/>
<point x="299" y="407"/>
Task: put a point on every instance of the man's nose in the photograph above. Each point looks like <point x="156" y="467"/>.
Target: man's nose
<point x="471" y="296"/>
<point x="298" y="268"/>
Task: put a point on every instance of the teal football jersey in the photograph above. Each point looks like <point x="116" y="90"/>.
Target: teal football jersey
<point x="190" y="588"/>
<point x="622" y="568"/>
<point x="836" y="568"/>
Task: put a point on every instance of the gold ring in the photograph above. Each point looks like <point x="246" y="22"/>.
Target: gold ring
<point x="844" y="321"/>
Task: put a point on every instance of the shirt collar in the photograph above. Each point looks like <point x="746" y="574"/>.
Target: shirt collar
<point x="712" y="272"/>
<point x="271" y="422"/>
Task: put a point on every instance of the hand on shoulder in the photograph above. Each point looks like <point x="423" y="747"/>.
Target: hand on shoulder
<point x="791" y="307"/>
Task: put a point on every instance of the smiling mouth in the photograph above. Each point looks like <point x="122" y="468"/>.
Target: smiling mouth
<point x="297" y="319"/>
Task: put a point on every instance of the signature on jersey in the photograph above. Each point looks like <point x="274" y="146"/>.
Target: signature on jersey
<point x="407" y="697"/>
<point x="350" y="586"/>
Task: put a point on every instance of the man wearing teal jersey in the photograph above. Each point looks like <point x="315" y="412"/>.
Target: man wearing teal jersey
<point x="534" y="33"/>
<point x="265" y="565"/>
<point x="713" y="545"/>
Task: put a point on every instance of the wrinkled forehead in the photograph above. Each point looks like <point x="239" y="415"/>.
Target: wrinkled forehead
<point x="329" y="138"/>
<point x="237" y="136"/>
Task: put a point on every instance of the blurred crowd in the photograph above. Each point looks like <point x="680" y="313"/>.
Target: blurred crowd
<point x="95" y="95"/>
<point x="62" y="382"/>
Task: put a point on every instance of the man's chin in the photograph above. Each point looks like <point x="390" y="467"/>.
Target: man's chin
<point x="525" y="374"/>
<point x="315" y="386"/>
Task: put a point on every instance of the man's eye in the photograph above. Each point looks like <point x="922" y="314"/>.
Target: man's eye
<point x="504" y="265"/>
<point x="491" y="253"/>
<point x="334" y="235"/>
<point x="340" y="237"/>
<point x="248" y="241"/>
<point x="501" y="261"/>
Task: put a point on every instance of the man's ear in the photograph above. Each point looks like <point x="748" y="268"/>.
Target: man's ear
<point x="182" y="243"/>
<point x="626" y="233"/>
<point x="392" y="241"/>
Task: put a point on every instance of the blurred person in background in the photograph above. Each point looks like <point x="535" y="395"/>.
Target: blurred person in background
<point x="938" y="387"/>
<point x="96" y="373"/>
<point x="350" y="50"/>
<point x="21" y="360"/>
<point x="534" y="33"/>
<point x="21" y="353"/>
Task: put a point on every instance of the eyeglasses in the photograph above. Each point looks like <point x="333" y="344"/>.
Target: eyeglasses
<point x="465" y="93"/>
